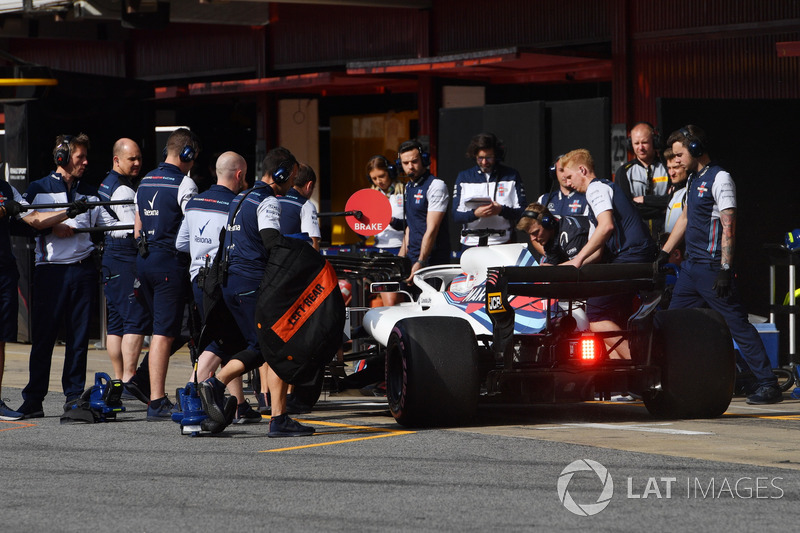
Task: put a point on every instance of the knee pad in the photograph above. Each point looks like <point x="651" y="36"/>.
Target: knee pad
<point x="250" y="359"/>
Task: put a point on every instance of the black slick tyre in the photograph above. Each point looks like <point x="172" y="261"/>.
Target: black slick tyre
<point x="694" y="349"/>
<point x="432" y="372"/>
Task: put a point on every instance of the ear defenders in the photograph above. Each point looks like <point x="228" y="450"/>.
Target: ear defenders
<point x="188" y="154"/>
<point x="656" y="136"/>
<point x="284" y="171"/>
<point x="390" y="168"/>
<point x="410" y="145"/>
<point x="695" y="147"/>
<point x="63" y="151"/>
<point x="546" y="221"/>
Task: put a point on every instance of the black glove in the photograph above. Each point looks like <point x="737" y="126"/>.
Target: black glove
<point x="663" y="258"/>
<point x="13" y="208"/>
<point x="723" y="283"/>
<point x="77" y="207"/>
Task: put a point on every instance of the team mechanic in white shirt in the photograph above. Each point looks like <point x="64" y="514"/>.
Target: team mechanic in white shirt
<point x="489" y="195"/>
<point x="383" y="176"/>
<point x="65" y="277"/>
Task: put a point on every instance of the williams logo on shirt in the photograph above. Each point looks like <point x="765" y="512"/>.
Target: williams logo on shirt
<point x="151" y="212"/>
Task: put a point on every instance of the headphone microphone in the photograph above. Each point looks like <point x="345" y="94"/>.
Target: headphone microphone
<point x="390" y="168"/>
<point x="410" y="145"/>
<point x="63" y="151"/>
<point x="695" y="147"/>
<point x="546" y="221"/>
<point x="284" y="171"/>
<point x="654" y="132"/>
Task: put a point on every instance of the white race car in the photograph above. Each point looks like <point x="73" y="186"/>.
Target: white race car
<point x="500" y="326"/>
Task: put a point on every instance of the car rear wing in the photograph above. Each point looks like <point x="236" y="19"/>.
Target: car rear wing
<point x="570" y="283"/>
<point x="562" y="283"/>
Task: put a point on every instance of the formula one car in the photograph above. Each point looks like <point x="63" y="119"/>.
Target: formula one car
<point x="500" y="327"/>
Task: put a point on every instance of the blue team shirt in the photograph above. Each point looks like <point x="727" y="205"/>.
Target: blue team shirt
<point x="246" y="254"/>
<point x="416" y="201"/>
<point x="630" y="241"/>
<point x="160" y="200"/>
<point x="291" y="221"/>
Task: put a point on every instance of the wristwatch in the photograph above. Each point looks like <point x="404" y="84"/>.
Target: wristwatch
<point x="422" y="262"/>
<point x="725" y="266"/>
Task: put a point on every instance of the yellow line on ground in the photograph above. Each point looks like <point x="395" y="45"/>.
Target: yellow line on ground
<point x="771" y="417"/>
<point x="387" y="433"/>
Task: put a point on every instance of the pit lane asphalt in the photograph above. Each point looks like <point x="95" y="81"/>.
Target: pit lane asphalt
<point x="364" y="472"/>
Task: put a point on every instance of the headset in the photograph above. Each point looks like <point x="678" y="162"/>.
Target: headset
<point x="695" y="147"/>
<point x="656" y="137"/>
<point x="63" y="151"/>
<point x="188" y="154"/>
<point x="390" y="168"/>
<point x="546" y="221"/>
<point x="410" y="145"/>
<point x="284" y="171"/>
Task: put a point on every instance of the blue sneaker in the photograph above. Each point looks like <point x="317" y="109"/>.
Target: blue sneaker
<point x="212" y="394"/>
<point x="283" y="426"/>
<point x="247" y="415"/>
<point x="31" y="409"/>
<point x="765" y="395"/>
<point x="7" y="414"/>
<point x="159" y="410"/>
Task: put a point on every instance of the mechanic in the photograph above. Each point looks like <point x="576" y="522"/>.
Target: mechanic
<point x="644" y="179"/>
<point x="561" y="238"/>
<point x="489" y="195"/>
<point x="299" y="215"/>
<point x="204" y="217"/>
<point x="13" y="205"/>
<point x="564" y="200"/>
<point x="708" y="224"/>
<point x="620" y="236"/>
<point x="64" y="278"/>
<point x="677" y="189"/>
<point x="160" y="202"/>
<point x="426" y="240"/>
<point x="128" y="320"/>
<point x="253" y="228"/>
<point x="383" y="177"/>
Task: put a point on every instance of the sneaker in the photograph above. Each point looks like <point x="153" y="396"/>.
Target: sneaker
<point x="159" y="410"/>
<point x="131" y="391"/>
<point x="263" y="403"/>
<point x="766" y="394"/>
<point x="7" y="414"/>
<point x="229" y="410"/>
<point x="283" y="426"/>
<point x="246" y="415"/>
<point x="212" y="394"/>
<point x="31" y="409"/>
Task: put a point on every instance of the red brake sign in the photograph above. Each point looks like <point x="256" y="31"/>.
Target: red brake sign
<point x="376" y="212"/>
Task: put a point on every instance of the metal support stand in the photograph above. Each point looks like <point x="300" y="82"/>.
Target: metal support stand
<point x="780" y="255"/>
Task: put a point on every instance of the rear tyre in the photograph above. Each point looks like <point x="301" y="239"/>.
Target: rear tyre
<point x="694" y="349"/>
<point x="432" y="372"/>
